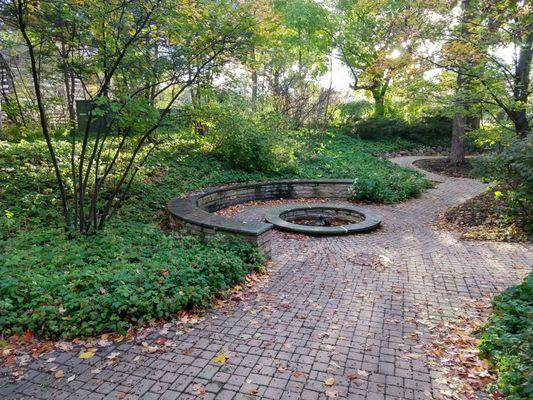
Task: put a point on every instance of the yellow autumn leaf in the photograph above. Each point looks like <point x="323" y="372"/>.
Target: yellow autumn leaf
<point x="86" y="354"/>
<point x="221" y="359"/>
<point x="59" y="374"/>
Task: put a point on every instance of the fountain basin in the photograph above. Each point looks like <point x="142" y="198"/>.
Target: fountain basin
<point x="323" y="219"/>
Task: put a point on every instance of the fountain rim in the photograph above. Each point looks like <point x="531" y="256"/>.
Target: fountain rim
<point x="370" y="220"/>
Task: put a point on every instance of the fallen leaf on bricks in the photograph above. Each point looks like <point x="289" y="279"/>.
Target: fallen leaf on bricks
<point x="87" y="354"/>
<point x="221" y="359"/>
<point x="198" y="389"/>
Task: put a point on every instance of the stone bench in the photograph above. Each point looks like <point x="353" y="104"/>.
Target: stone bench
<point x="193" y="212"/>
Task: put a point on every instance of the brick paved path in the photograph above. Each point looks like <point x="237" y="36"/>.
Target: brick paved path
<point x="330" y="307"/>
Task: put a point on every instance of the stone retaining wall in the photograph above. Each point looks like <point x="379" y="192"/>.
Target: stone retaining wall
<point x="193" y="213"/>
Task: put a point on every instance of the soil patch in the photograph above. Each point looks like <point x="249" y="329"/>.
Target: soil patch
<point x="443" y="167"/>
<point x="483" y="218"/>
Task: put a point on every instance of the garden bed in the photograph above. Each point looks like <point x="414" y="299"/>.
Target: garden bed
<point x="483" y="218"/>
<point x="442" y="166"/>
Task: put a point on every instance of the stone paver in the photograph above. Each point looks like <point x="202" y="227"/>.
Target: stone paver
<point x="332" y="306"/>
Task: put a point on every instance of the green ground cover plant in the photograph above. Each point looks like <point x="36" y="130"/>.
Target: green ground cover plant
<point x="434" y="131"/>
<point x="507" y="340"/>
<point x="135" y="270"/>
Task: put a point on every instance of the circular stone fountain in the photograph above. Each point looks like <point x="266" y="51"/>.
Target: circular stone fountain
<point x="323" y="219"/>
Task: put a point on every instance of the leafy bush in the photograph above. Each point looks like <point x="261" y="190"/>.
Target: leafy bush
<point x="432" y="131"/>
<point x="247" y="141"/>
<point x="352" y="112"/>
<point x="507" y="339"/>
<point x="512" y="175"/>
<point x="123" y="276"/>
<point x="252" y="145"/>
<point x="388" y="185"/>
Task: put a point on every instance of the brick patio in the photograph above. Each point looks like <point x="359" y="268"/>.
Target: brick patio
<point x="332" y="306"/>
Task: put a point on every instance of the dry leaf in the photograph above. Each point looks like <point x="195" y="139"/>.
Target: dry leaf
<point x="65" y="346"/>
<point x="221" y="359"/>
<point x="329" y="382"/>
<point x="86" y="354"/>
<point x="198" y="390"/>
<point x="59" y="374"/>
<point x="113" y="355"/>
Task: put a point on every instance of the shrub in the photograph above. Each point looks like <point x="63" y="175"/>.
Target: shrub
<point x="351" y="113"/>
<point x="432" y="131"/>
<point x="381" y="128"/>
<point x="250" y="142"/>
<point x="109" y="282"/>
<point x="388" y="185"/>
<point x="507" y="340"/>
<point x="512" y="174"/>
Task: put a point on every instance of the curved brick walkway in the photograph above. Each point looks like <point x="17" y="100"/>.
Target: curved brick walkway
<point x="330" y="307"/>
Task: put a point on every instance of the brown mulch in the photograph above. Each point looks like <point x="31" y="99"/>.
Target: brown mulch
<point x="483" y="218"/>
<point x="443" y="167"/>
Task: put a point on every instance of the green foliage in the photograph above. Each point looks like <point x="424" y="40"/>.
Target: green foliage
<point x="433" y="131"/>
<point x="129" y="274"/>
<point x="512" y="174"/>
<point x="353" y="112"/>
<point x="251" y="142"/>
<point x="507" y="339"/>
<point x="388" y="185"/>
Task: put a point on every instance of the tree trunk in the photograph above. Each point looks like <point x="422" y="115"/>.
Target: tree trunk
<point x="1" y="122"/>
<point x="42" y="111"/>
<point x="521" y="123"/>
<point x="462" y="118"/>
<point x="68" y="81"/>
<point x="521" y="86"/>
<point x="379" y="103"/>
<point x="254" y="79"/>
<point x="457" y="153"/>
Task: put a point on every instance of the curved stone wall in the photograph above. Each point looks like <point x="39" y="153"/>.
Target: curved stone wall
<point x="193" y="213"/>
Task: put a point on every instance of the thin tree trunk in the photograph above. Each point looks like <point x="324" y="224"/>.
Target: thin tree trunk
<point x="69" y="89"/>
<point x="42" y="111"/>
<point x="521" y="86"/>
<point x="457" y="153"/>
<point x="1" y="122"/>
<point x="254" y="79"/>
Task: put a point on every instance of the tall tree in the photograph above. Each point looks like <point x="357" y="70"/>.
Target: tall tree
<point x="464" y="119"/>
<point x="375" y="42"/>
